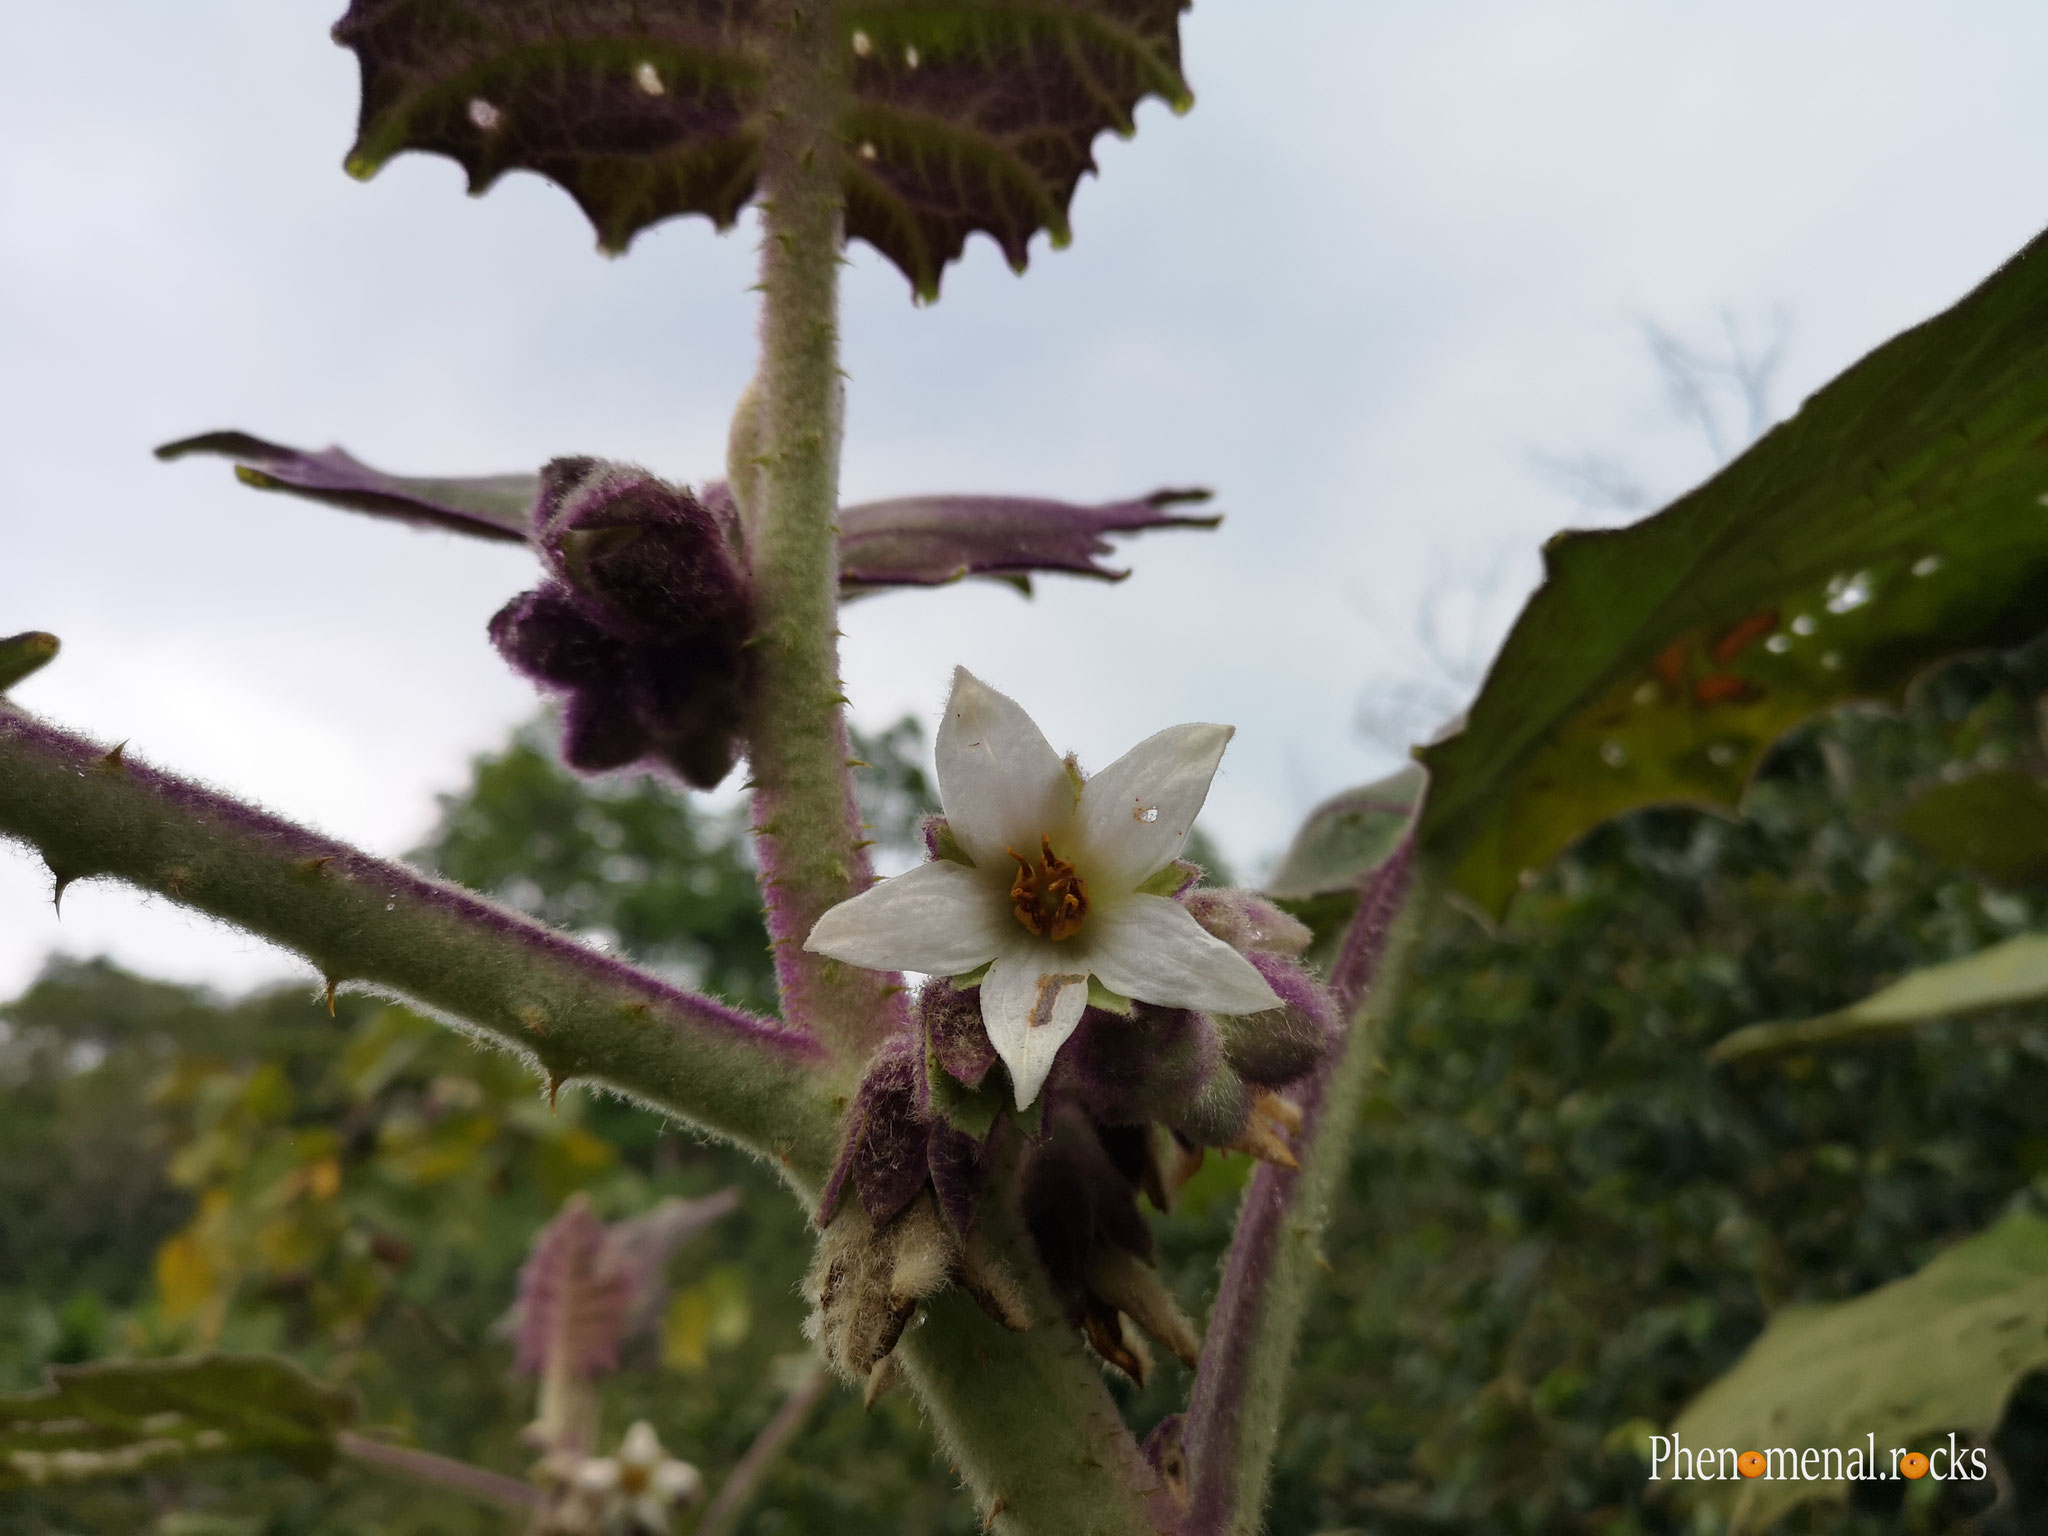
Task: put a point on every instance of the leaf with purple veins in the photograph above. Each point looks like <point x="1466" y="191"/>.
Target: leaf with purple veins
<point x="931" y="540"/>
<point x="955" y="117"/>
<point x="907" y="541"/>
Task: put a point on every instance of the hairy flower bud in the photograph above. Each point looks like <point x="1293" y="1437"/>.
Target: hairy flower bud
<point x="868" y="1278"/>
<point x="1282" y="1044"/>
<point x="644" y="625"/>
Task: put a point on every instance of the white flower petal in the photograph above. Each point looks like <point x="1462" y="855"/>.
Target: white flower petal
<point x="1000" y="781"/>
<point x="677" y="1482"/>
<point x="939" y="917"/>
<point x="1149" y="948"/>
<point x="1031" y="1001"/>
<point x="1136" y="814"/>
<point x="641" y="1448"/>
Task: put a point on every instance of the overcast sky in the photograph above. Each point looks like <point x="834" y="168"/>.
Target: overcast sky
<point x="1397" y="253"/>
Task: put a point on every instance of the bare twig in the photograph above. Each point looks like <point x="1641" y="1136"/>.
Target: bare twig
<point x="724" y="1511"/>
<point x="441" y="1471"/>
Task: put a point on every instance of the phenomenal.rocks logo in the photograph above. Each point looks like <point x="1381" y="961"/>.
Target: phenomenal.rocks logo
<point x="1814" y="1464"/>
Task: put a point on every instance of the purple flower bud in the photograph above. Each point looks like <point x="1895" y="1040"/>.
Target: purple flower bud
<point x="1127" y="1070"/>
<point x="644" y="626"/>
<point x="1279" y="1046"/>
<point x="658" y="563"/>
<point x="1215" y="1114"/>
<point x="1247" y="922"/>
<point x="952" y="1025"/>
<point x="884" y="1150"/>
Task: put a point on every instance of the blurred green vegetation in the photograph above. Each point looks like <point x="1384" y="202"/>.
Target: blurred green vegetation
<point x="1562" y="1222"/>
<point x="178" y="1171"/>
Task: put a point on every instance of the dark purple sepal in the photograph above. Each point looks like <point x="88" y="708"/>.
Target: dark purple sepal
<point x="484" y="506"/>
<point x="959" y="1169"/>
<point x="1283" y="1044"/>
<point x="921" y="541"/>
<point x="1074" y="1198"/>
<point x="958" y="1040"/>
<point x="888" y="1135"/>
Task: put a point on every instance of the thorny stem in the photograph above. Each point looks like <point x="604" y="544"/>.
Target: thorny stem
<point x="440" y="1472"/>
<point x="366" y="922"/>
<point x="724" y="1511"/>
<point x="1025" y="1416"/>
<point x="808" y="829"/>
<point x="1234" y="1413"/>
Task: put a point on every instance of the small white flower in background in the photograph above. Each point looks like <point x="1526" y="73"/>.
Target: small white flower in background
<point x="635" y="1490"/>
<point x="1058" y="889"/>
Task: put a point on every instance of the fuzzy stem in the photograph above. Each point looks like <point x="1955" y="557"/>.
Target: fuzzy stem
<point x="1025" y="1416"/>
<point x="804" y="817"/>
<point x="724" y="1512"/>
<point x="440" y="1472"/>
<point x="379" y="925"/>
<point x="1233" y="1420"/>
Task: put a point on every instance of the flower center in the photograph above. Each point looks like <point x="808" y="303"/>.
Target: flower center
<point x="1049" y="897"/>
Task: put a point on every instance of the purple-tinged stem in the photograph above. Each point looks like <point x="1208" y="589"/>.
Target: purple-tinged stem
<point x="807" y="832"/>
<point x="440" y="1472"/>
<point x="1233" y="1419"/>
<point x="725" y="1510"/>
<point x="366" y="922"/>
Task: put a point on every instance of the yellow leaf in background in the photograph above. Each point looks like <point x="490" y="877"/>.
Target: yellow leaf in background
<point x="324" y="1179"/>
<point x="184" y="1278"/>
<point x="715" y="1314"/>
<point x="686" y="1331"/>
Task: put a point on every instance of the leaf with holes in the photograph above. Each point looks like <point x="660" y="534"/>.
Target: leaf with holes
<point x="118" y="1419"/>
<point x="1936" y="1352"/>
<point x="956" y="115"/>
<point x="1899" y="517"/>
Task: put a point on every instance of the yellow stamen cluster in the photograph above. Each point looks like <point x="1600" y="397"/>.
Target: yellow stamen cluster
<point x="1050" y="898"/>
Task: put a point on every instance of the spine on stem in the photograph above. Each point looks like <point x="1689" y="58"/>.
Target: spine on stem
<point x="808" y="831"/>
<point x="367" y="922"/>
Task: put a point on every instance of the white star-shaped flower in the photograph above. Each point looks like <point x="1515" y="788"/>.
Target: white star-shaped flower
<point x="1054" y="894"/>
<point x="638" y="1487"/>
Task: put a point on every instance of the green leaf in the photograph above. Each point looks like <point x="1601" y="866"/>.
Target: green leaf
<point x="1940" y="1350"/>
<point x="1896" y="519"/>
<point x="22" y="654"/>
<point x="117" y="1419"/>
<point x="957" y="117"/>
<point x="1995" y="823"/>
<point x="1346" y="837"/>
<point x="971" y="1110"/>
<point x="2013" y="972"/>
